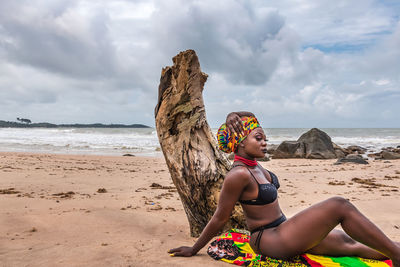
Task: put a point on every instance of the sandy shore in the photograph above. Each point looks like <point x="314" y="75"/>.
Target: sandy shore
<point x="76" y="210"/>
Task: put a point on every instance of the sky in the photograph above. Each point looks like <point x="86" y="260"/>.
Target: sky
<point x="293" y="63"/>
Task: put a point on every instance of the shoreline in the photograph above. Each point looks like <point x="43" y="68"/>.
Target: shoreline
<point x="61" y="217"/>
<point x="157" y="154"/>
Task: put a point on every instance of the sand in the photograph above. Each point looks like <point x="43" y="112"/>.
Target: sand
<point x="80" y="210"/>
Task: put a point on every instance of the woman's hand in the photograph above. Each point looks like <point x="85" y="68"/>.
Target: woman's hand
<point x="182" y="251"/>
<point x="234" y="123"/>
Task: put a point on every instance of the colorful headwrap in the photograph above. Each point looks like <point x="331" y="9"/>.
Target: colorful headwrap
<point x="228" y="142"/>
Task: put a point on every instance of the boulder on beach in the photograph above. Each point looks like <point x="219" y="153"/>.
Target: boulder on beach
<point x="314" y="144"/>
<point x="271" y="148"/>
<point x="352" y="158"/>
<point x="318" y="145"/>
<point x="390" y="155"/>
<point x="387" y="153"/>
<point x="340" y="152"/>
<point x="289" y="149"/>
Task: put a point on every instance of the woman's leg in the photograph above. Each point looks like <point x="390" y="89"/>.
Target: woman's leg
<point x="338" y="243"/>
<point x="308" y="228"/>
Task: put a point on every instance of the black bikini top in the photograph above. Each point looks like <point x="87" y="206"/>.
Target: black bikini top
<point x="267" y="193"/>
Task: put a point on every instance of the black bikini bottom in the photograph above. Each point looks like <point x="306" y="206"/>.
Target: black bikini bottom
<point x="267" y="226"/>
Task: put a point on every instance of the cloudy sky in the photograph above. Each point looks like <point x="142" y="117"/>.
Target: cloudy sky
<point x="316" y="63"/>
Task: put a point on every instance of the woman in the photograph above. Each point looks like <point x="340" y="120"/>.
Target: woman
<point x="311" y="230"/>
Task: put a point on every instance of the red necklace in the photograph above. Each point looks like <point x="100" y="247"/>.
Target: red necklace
<point x="248" y="162"/>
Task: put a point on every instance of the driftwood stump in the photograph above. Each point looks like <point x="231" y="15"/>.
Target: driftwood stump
<point x="196" y="165"/>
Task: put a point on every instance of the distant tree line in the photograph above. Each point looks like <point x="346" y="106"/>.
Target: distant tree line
<point x="26" y="123"/>
<point x="24" y="120"/>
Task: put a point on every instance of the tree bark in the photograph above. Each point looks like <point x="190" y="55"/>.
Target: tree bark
<point x="196" y="165"/>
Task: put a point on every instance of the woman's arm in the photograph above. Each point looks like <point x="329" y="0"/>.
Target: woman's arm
<point x="234" y="123"/>
<point x="232" y="188"/>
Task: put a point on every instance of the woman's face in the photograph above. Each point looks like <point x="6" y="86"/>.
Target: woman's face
<point x="255" y="144"/>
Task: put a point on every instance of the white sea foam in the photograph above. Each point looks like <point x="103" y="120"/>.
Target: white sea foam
<point x="118" y="141"/>
<point x="374" y="139"/>
<point x="114" y="141"/>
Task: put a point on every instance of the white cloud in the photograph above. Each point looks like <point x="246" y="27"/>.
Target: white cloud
<point x="329" y="23"/>
<point x="382" y="82"/>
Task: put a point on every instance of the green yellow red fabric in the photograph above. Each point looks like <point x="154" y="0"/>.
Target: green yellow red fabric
<point x="233" y="247"/>
<point x="228" y="141"/>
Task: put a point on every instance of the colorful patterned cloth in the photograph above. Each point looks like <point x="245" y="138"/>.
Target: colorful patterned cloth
<point x="229" y="141"/>
<point x="233" y="247"/>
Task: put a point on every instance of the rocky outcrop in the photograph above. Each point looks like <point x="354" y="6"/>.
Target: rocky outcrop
<point x="318" y="145"/>
<point x="289" y="149"/>
<point x="390" y="155"/>
<point x="271" y="148"/>
<point x="356" y="150"/>
<point x="314" y="144"/>
<point x="387" y="153"/>
<point x="350" y="150"/>
<point x="340" y="152"/>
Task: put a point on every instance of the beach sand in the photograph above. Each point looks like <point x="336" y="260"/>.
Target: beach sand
<point x="79" y="210"/>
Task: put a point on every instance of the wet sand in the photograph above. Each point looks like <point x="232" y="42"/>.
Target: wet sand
<point x="79" y="210"/>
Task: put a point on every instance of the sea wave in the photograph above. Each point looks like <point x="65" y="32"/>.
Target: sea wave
<point x="112" y="141"/>
<point x="144" y="141"/>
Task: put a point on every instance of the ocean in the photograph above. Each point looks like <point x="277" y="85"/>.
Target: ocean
<point x="144" y="141"/>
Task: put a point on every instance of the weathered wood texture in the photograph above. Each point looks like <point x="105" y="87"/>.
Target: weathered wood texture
<point x="196" y="165"/>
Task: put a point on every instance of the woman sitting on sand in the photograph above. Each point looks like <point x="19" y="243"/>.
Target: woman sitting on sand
<point x="309" y="231"/>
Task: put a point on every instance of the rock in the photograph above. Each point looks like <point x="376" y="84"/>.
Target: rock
<point x="318" y="145"/>
<point x="386" y="153"/>
<point x="271" y="148"/>
<point x="352" y="158"/>
<point x="289" y="149"/>
<point x="391" y="149"/>
<point x="390" y="155"/>
<point x="339" y="151"/>
<point x="314" y="144"/>
<point x="375" y="155"/>
<point x="356" y="149"/>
